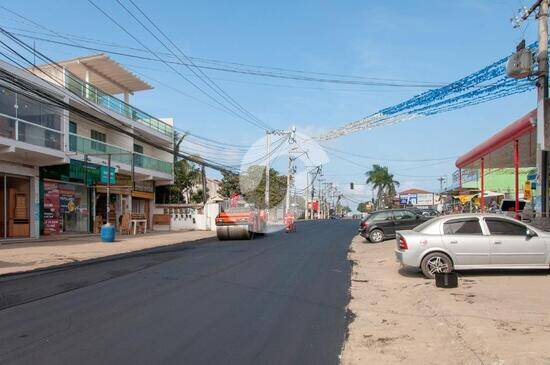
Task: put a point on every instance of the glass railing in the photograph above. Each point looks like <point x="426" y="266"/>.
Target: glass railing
<point x="92" y="147"/>
<point x="23" y="131"/>
<point x="98" y="96"/>
<point x="152" y="163"/>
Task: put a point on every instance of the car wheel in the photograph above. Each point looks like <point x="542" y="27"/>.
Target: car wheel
<point x="436" y="262"/>
<point x="376" y="236"/>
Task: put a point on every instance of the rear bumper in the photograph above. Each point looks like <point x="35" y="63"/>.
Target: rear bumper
<point x="406" y="258"/>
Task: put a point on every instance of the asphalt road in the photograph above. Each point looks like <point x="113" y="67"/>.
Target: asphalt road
<point x="279" y="299"/>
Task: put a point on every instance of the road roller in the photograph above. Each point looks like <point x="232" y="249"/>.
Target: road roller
<point x="240" y="223"/>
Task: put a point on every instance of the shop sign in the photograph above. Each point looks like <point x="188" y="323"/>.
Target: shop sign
<point x="51" y="208"/>
<point x="105" y="175"/>
<point x="425" y="199"/>
<point x="407" y="199"/>
<point x="78" y="170"/>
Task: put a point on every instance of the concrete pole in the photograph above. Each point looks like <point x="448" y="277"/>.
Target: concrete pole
<point x="204" y="192"/>
<point x="287" y="203"/>
<point x="542" y="95"/>
<point x="307" y="194"/>
<point x="268" y="152"/>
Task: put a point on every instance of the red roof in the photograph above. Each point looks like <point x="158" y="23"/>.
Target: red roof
<point x="511" y="132"/>
<point x="414" y="191"/>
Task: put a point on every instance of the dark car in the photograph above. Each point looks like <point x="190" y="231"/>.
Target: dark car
<point x="382" y="224"/>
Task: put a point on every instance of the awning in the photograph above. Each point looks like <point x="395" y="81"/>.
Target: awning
<point x="520" y="129"/>
<point x="106" y="74"/>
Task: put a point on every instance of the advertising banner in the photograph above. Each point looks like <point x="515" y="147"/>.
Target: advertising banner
<point x="407" y="199"/>
<point x="51" y="208"/>
<point x="425" y="199"/>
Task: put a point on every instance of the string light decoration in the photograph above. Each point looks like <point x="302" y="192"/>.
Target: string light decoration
<point x="487" y="84"/>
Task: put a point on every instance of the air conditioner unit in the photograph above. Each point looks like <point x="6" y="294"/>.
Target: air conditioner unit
<point x="520" y="64"/>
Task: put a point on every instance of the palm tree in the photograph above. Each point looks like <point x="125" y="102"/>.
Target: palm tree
<point x="382" y="181"/>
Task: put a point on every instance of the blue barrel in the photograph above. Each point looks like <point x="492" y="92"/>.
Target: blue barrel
<point x="107" y="233"/>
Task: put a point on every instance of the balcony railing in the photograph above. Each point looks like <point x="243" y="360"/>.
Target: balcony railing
<point x="98" y="96"/>
<point x="35" y="134"/>
<point x="93" y="147"/>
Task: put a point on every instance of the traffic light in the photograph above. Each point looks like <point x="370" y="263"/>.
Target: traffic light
<point x="351" y="186"/>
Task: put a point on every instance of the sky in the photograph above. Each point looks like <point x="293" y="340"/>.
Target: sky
<point x="422" y="40"/>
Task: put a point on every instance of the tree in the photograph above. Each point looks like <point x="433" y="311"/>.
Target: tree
<point x="362" y="208"/>
<point x="186" y="175"/>
<point x="384" y="184"/>
<point x="229" y="184"/>
<point x="251" y="185"/>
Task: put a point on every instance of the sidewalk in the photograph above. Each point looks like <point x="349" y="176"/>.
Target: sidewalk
<point x="38" y="254"/>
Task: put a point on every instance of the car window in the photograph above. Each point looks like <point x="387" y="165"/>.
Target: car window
<point x="505" y="227"/>
<point x="404" y="214"/>
<point x="462" y="226"/>
<point x="380" y="217"/>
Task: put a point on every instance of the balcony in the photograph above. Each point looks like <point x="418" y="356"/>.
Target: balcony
<point x="23" y="141"/>
<point x="94" y="94"/>
<point x="90" y="146"/>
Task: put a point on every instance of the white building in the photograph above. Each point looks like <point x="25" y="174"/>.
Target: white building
<point x="49" y="122"/>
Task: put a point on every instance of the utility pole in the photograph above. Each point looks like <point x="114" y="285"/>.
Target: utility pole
<point x="543" y="123"/>
<point x="306" y="212"/>
<point x="292" y="141"/>
<point x="542" y="95"/>
<point x="268" y="152"/>
<point x="441" y="181"/>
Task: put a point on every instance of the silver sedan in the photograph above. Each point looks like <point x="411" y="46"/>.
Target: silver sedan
<point x="473" y="241"/>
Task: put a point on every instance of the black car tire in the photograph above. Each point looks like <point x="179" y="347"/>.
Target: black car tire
<point x="376" y="236"/>
<point x="436" y="262"/>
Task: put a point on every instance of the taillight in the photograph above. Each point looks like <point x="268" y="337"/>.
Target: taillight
<point x="403" y="243"/>
<point x="364" y="224"/>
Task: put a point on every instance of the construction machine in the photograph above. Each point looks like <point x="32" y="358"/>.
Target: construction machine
<point x="240" y="222"/>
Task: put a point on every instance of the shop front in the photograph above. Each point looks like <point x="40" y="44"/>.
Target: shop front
<point x="66" y="199"/>
<point x="502" y="169"/>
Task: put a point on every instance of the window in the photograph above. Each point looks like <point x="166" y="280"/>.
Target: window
<point x="404" y="215"/>
<point x="462" y="226"/>
<point x="138" y="158"/>
<point x="72" y="137"/>
<point x="505" y="227"/>
<point x="7" y="102"/>
<point x="101" y="137"/>
<point x="380" y="217"/>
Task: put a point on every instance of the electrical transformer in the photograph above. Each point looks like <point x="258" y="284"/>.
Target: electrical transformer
<point x="520" y="64"/>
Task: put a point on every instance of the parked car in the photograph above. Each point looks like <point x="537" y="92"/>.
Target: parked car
<point x="473" y="241"/>
<point x="429" y="212"/>
<point x="382" y="224"/>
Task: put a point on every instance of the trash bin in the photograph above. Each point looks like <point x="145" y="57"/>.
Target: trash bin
<point x="446" y="280"/>
<point x="107" y="233"/>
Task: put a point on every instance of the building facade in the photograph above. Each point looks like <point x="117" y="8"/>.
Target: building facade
<point x="65" y="140"/>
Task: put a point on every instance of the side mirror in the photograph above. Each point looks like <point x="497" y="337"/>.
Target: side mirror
<point x="530" y="233"/>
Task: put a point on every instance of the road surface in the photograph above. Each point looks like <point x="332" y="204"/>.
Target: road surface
<point x="279" y="299"/>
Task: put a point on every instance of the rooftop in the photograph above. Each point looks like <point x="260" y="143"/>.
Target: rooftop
<point x="414" y="191"/>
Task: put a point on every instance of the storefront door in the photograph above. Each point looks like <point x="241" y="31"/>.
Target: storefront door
<point x="14" y="206"/>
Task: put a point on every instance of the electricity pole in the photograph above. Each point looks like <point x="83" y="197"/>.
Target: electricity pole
<point x="543" y="123"/>
<point x="266" y="194"/>
<point x="542" y="95"/>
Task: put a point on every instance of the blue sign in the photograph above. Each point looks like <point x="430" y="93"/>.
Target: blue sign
<point x="104" y="175"/>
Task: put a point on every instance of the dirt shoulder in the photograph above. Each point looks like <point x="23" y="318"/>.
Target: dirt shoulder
<point x="491" y="318"/>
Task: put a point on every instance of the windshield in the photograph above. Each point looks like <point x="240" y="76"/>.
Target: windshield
<point x="424" y="225"/>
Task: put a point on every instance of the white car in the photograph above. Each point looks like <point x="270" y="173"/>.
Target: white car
<point x="473" y="241"/>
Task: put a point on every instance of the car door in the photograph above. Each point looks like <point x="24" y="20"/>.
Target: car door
<point x="405" y="219"/>
<point x="511" y="246"/>
<point x="385" y="221"/>
<point x="464" y="238"/>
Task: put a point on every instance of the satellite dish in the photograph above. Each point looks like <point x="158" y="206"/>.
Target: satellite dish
<point x="520" y="64"/>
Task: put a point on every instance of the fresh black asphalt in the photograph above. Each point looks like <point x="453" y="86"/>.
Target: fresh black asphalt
<point x="279" y="299"/>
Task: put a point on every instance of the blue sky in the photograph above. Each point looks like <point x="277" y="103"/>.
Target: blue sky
<point x="423" y="40"/>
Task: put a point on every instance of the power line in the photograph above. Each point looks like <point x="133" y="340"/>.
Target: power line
<point x="167" y="63"/>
